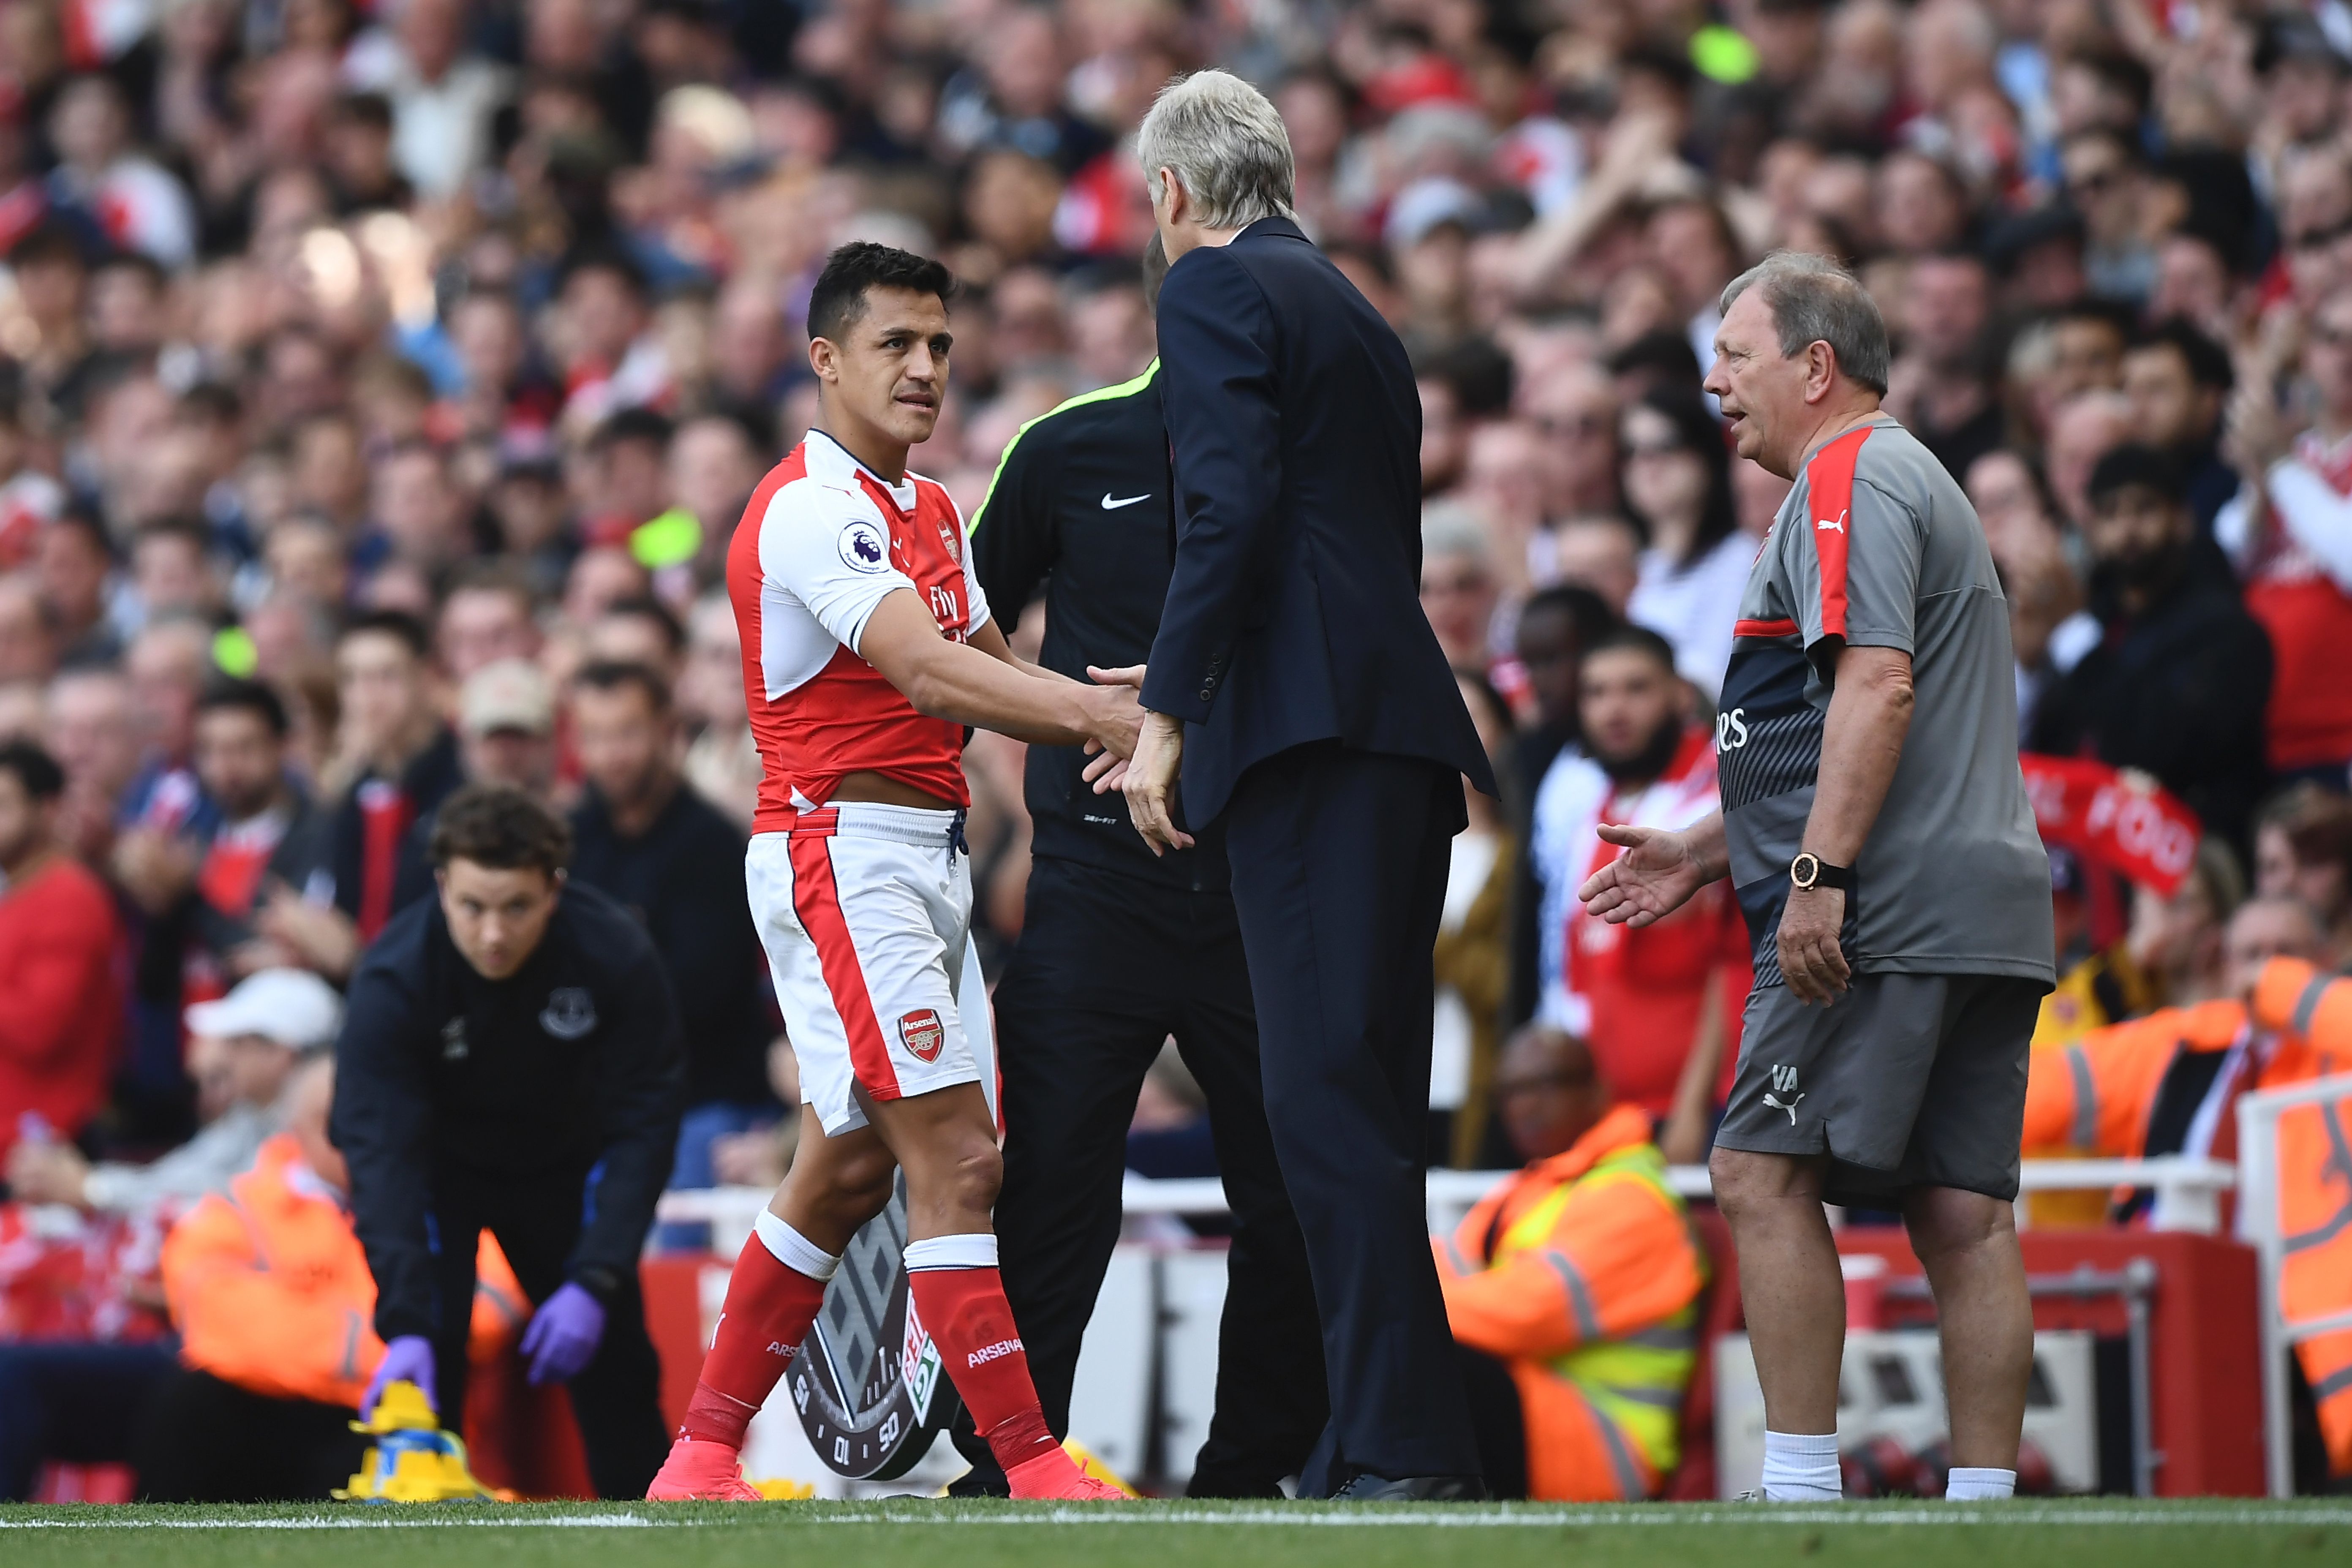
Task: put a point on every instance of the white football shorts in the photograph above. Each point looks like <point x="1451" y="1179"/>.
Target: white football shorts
<point x="865" y="913"/>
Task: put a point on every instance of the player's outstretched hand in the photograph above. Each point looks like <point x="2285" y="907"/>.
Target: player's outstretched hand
<point x="1120" y="719"/>
<point x="1655" y="876"/>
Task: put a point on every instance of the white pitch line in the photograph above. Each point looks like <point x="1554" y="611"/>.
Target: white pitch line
<point x="410" y="1522"/>
<point x="1555" y="1518"/>
<point x="1446" y="1519"/>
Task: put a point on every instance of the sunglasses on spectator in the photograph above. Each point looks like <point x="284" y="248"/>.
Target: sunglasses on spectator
<point x="2313" y="238"/>
<point x="1653" y="448"/>
<point x="2098" y="181"/>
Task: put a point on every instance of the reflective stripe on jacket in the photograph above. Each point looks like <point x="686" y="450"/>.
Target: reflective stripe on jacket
<point x="1583" y="1274"/>
<point x="2314" y="1180"/>
<point x="2093" y="1096"/>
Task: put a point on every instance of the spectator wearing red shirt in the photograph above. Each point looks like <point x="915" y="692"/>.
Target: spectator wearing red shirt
<point x="1659" y="1005"/>
<point x="2291" y="536"/>
<point x="60" y="991"/>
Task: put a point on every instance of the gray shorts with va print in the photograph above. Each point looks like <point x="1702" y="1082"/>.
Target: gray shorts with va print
<point x="1904" y="1080"/>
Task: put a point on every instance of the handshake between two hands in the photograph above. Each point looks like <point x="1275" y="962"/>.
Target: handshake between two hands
<point x="1147" y="775"/>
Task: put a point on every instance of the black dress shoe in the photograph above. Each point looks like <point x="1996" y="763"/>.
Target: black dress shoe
<point x="1370" y="1487"/>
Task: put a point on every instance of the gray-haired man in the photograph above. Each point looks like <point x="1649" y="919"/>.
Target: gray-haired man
<point x="1297" y="677"/>
<point x="1876" y="832"/>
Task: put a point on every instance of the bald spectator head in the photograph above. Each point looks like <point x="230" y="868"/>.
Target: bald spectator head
<point x="1548" y="1091"/>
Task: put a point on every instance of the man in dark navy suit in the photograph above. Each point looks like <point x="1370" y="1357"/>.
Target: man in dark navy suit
<point x="1297" y="683"/>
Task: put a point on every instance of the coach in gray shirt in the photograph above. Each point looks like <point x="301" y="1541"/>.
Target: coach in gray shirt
<point x="1876" y="833"/>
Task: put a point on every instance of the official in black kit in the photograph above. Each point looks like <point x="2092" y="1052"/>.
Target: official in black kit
<point x="1118" y="952"/>
<point x="511" y="1062"/>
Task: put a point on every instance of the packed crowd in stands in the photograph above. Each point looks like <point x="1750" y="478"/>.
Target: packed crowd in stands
<point x="380" y="386"/>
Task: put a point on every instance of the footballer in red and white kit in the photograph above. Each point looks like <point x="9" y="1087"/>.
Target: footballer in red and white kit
<point x="864" y="908"/>
<point x="866" y="651"/>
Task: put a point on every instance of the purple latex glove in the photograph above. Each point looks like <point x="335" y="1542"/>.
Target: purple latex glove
<point x="408" y="1359"/>
<point x="562" y="1335"/>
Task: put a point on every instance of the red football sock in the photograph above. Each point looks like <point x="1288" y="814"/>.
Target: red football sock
<point x="969" y="1320"/>
<point x="768" y="1312"/>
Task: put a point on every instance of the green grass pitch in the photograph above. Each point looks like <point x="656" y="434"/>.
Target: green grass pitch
<point x="908" y="1534"/>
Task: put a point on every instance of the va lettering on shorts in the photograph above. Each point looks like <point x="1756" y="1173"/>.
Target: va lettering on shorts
<point x="996" y="1352"/>
<point x="1784" y="1081"/>
<point x="922" y="1035"/>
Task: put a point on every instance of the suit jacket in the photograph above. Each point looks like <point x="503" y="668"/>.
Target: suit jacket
<point x="1294" y="613"/>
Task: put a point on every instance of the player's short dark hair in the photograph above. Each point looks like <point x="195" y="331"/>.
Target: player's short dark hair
<point x="646" y="607"/>
<point x="35" y="769"/>
<point x="502" y="829"/>
<point x="839" y="300"/>
<point x="397" y="623"/>
<point x="230" y="693"/>
<point x="617" y="674"/>
<point x="2208" y="361"/>
<point x="1630" y="637"/>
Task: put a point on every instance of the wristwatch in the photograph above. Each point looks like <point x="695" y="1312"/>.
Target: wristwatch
<point x="1809" y="871"/>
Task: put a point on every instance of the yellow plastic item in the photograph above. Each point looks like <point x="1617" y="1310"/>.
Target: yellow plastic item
<point x="412" y="1460"/>
<point x="1091" y="1463"/>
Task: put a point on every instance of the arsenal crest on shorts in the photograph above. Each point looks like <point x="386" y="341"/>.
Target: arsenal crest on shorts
<point x="921" y="1034"/>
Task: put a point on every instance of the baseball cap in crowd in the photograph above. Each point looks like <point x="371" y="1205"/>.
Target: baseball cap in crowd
<point x="292" y="1006"/>
<point x="1430" y="203"/>
<point x="506" y="694"/>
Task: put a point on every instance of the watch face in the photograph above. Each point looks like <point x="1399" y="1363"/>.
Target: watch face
<point x="1804" y="870"/>
<point x="869" y="1385"/>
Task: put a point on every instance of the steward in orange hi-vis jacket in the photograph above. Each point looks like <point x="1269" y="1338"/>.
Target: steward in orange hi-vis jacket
<point x="2169" y="1083"/>
<point x="1582" y="1277"/>
<point x="270" y="1290"/>
<point x="2314" y="1181"/>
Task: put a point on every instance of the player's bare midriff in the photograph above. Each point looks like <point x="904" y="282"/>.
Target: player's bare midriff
<point x="876" y="789"/>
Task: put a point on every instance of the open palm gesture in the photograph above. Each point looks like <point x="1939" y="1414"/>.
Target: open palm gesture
<point x="1656" y="876"/>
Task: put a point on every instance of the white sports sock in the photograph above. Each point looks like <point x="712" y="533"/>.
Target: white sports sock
<point x="1802" y="1467"/>
<point x="794" y="1250"/>
<point x="1979" y="1486"/>
<point x="974" y="1249"/>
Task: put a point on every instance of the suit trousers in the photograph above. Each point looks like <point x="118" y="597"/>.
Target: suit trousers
<point x="616" y="1397"/>
<point x="1107" y="967"/>
<point x="1339" y="860"/>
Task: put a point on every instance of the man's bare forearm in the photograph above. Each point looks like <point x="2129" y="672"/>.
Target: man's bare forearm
<point x="1862" y="741"/>
<point x="969" y="684"/>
